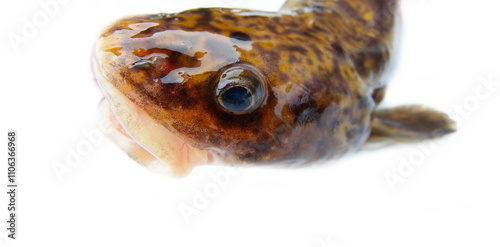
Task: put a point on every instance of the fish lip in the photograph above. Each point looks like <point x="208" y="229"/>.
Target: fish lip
<point x="177" y="157"/>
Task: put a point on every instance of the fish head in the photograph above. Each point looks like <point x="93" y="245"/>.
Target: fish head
<point x="239" y="86"/>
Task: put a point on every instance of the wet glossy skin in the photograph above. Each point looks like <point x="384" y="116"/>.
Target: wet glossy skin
<point x="323" y="63"/>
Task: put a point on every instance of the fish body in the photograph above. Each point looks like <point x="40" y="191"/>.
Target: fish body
<point x="242" y="86"/>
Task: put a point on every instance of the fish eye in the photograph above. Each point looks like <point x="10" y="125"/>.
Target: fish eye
<point x="240" y="89"/>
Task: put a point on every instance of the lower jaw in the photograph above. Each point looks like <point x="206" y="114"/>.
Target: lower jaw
<point x="147" y="141"/>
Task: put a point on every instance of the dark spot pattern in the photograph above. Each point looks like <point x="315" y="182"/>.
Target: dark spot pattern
<point x="322" y="60"/>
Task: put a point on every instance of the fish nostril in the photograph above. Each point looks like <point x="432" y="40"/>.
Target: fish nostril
<point x="155" y="62"/>
<point x="145" y="64"/>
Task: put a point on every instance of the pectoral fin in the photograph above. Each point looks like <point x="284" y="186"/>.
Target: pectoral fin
<point x="411" y="123"/>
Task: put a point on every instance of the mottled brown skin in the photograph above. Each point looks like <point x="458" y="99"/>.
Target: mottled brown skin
<point x="324" y="62"/>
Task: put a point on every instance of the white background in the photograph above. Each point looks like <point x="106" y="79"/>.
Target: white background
<point x="451" y="198"/>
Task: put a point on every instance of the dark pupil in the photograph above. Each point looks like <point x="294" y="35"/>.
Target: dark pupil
<point x="237" y="99"/>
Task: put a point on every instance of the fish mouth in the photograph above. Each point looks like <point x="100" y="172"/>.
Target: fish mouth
<point x="143" y="138"/>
